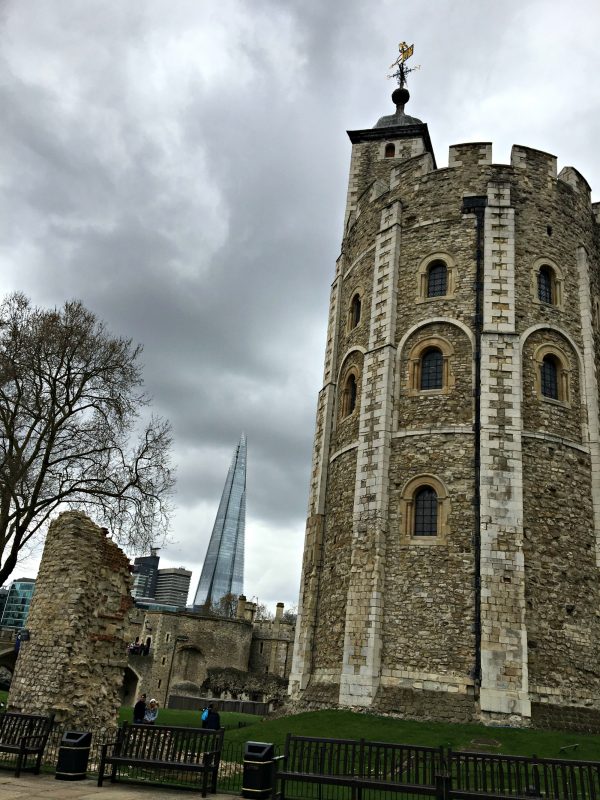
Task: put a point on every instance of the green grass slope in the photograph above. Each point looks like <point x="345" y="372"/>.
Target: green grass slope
<point x="350" y="725"/>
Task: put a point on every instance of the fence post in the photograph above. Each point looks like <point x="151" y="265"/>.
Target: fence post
<point x="535" y="789"/>
<point x="442" y="786"/>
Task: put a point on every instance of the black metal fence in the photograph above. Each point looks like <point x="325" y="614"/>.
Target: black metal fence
<point x="424" y="771"/>
<point x="184" y="703"/>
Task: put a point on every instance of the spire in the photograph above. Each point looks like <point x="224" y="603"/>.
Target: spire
<point x="223" y="568"/>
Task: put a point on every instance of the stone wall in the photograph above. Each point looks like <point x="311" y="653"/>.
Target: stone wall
<point x="74" y="661"/>
<point x="499" y="609"/>
<point x="183" y="647"/>
<point x="271" y="647"/>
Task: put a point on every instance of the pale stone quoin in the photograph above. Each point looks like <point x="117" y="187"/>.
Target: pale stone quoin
<point x="459" y="410"/>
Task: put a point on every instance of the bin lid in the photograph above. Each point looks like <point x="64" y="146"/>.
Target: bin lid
<point x="76" y="737"/>
<point x="259" y="749"/>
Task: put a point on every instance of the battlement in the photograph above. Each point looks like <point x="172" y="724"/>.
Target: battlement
<point x="470" y="154"/>
<point x="576" y="181"/>
<point x="533" y="161"/>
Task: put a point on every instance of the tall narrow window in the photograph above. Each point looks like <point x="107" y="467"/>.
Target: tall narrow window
<point x="437" y="279"/>
<point x="545" y="285"/>
<point x="349" y="396"/>
<point x="390" y="150"/>
<point x="549" y="377"/>
<point x="432" y="369"/>
<point x="426" y="512"/>
<point x="355" y="309"/>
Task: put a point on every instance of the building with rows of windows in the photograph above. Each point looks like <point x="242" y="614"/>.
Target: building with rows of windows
<point x="451" y="564"/>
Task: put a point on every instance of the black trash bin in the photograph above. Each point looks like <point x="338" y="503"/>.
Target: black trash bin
<point x="257" y="780"/>
<point x="73" y="756"/>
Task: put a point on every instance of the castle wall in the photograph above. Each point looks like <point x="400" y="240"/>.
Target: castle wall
<point x="184" y="647"/>
<point x="75" y="659"/>
<point x="479" y="613"/>
<point x="271" y="648"/>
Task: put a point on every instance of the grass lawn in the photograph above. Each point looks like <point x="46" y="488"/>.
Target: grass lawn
<point x="350" y="725"/>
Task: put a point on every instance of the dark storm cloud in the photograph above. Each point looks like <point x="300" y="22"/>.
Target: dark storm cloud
<point x="182" y="169"/>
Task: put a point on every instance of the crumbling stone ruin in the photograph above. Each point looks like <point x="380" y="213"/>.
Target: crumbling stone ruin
<point x="73" y="663"/>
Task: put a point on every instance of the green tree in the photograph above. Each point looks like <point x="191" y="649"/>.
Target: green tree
<point x="71" y="429"/>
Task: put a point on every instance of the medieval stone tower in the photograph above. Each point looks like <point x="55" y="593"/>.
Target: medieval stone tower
<point x="451" y="564"/>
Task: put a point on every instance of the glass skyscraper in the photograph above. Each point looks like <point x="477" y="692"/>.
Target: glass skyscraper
<point x="18" y="601"/>
<point x="223" y="568"/>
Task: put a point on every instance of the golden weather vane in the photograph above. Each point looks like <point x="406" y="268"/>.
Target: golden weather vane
<point x="401" y="71"/>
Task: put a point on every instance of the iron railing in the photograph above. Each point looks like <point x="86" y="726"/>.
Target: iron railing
<point x="382" y="770"/>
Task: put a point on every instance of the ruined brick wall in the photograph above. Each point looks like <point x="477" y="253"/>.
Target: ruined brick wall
<point x="75" y="659"/>
<point x="387" y="620"/>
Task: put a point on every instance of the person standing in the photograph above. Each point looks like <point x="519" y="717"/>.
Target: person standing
<point x="213" y="720"/>
<point x="139" y="710"/>
<point x="151" y="713"/>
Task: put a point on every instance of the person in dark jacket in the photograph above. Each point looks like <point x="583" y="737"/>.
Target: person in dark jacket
<point x="213" y="720"/>
<point x="139" y="710"/>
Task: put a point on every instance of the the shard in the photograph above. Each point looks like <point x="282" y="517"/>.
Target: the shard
<point x="223" y="568"/>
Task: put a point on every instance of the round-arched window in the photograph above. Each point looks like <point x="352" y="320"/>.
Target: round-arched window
<point x="437" y="279"/>
<point x="426" y="512"/>
<point x="432" y="369"/>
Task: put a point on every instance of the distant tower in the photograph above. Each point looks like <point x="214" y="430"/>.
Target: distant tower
<point x="145" y="570"/>
<point x="223" y="569"/>
<point x="172" y="586"/>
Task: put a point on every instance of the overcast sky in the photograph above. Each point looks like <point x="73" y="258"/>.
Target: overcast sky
<point x="181" y="167"/>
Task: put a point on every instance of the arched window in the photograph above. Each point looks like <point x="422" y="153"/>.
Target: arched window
<point x="545" y="282"/>
<point x="437" y="279"/>
<point x="432" y="369"/>
<point x="390" y="150"/>
<point x="549" y="371"/>
<point x="552" y="377"/>
<point x="426" y="512"/>
<point x="349" y="395"/>
<point x="355" y="309"/>
<point x="429" y="366"/>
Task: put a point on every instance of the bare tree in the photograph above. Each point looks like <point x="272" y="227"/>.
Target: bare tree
<point x="263" y="613"/>
<point x="290" y="615"/>
<point x="70" y="429"/>
<point x="226" y="606"/>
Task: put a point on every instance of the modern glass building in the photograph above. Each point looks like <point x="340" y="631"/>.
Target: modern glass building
<point x="145" y="572"/>
<point x="223" y="568"/>
<point x="17" y="604"/>
<point x="172" y="586"/>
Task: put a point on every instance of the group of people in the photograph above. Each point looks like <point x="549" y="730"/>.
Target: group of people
<point x="146" y="713"/>
<point x="137" y="648"/>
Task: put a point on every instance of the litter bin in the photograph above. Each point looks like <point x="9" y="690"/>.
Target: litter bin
<point x="257" y="780"/>
<point x="73" y="756"/>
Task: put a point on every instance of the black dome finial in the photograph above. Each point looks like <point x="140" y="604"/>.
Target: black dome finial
<point x="400" y="97"/>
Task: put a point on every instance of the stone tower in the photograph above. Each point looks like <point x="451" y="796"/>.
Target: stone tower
<point x="451" y="563"/>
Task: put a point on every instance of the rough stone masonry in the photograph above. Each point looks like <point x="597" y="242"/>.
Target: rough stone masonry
<point x="451" y="563"/>
<point x="74" y="661"/>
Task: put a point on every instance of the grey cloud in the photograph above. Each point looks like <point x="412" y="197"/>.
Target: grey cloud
<point x="184" y="174"/>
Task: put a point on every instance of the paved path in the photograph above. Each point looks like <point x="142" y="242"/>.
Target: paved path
<point x="46" y="787"/>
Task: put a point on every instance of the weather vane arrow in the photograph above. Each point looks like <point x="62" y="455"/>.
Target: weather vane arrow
<point x="400" y="70"/>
